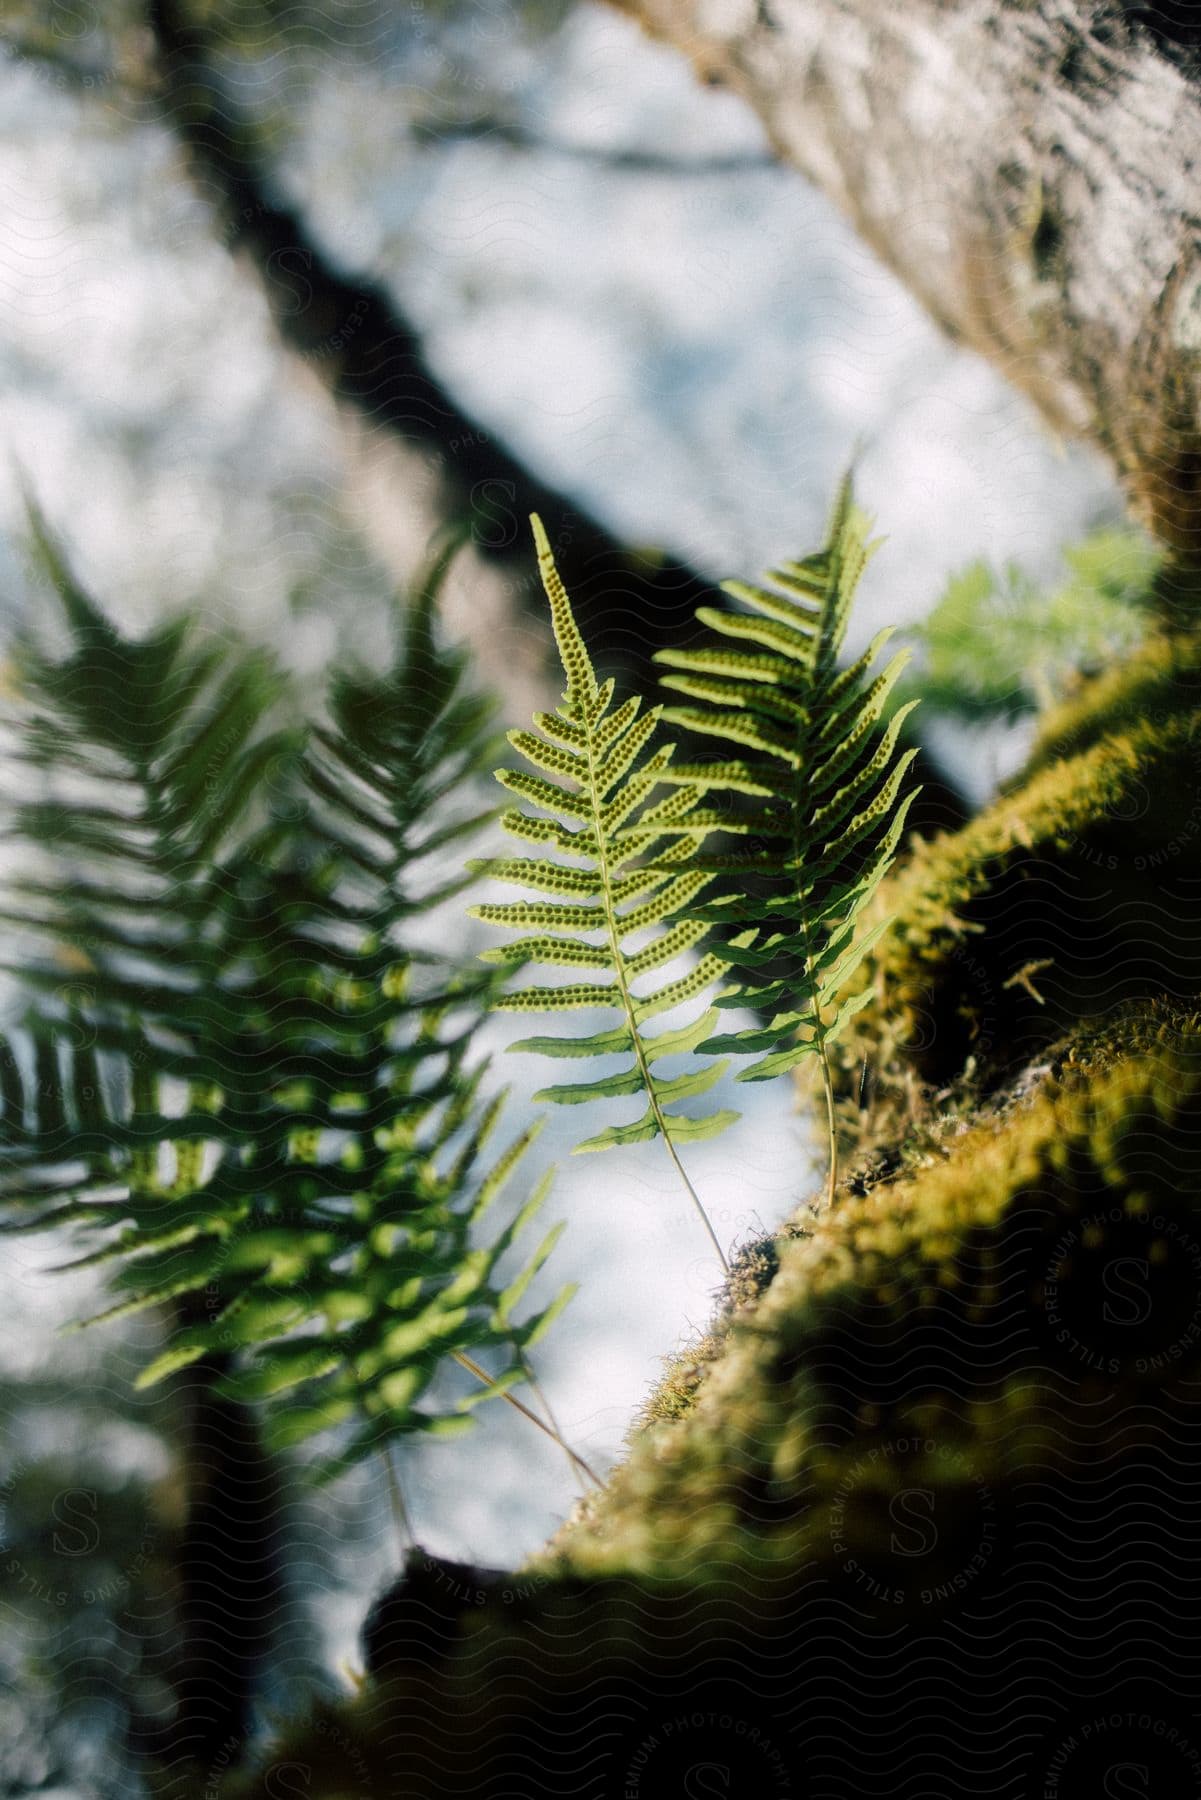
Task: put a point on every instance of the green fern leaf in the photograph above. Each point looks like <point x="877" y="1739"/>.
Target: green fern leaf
<point x="598" y="798"/>
<point x="998" y="645"/>
<point x="820" y="743"/>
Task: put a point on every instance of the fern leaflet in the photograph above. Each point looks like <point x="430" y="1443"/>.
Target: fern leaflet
<point x="817" y="740"/>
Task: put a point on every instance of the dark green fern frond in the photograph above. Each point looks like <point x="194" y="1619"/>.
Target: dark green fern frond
<point x="392" y="776"/>
<point x="623" y="907"/>
<point x="814" y="739"/>
<point x="243" y="1083"/>
<point x="134" y="771"/>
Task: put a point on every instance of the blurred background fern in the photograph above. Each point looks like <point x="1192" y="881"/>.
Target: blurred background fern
<point x="237" y="1073"/>
<point x="998" y="645"/>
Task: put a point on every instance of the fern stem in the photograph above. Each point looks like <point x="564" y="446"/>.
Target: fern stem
<point x="461" y="1357"/>
<point x="831" y="1128"/>
<point x="692" y="1193"/>
<point x="627" y="1000"/>
<point x="400" y="1512"/>
<point x="539" y="1394"/>
<point x="819" y="1034"/>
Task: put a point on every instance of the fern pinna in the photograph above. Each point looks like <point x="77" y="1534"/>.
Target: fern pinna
<point x="238" y="1073"/>
<point x="594" y="799"/>
<point x="837" y="812"/>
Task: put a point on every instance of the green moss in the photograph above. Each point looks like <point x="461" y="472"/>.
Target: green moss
<point x="986" y="1265"/>
<point x="1062" y="900"/>
<point x="753" y="1268"/>
<point x="1161" y="679"/>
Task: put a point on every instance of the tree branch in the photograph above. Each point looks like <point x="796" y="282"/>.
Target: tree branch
<point x="629" y="162"/>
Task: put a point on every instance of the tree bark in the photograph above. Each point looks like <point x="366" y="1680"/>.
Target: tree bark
<point x="1029" y="169"/>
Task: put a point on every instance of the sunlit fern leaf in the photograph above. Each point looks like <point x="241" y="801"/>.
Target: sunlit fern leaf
<point x="625" y="910"/>
<point x="241" y="1084"/>
<point x="821" y="742"/>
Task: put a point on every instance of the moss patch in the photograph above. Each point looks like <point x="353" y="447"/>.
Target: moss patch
<point x="1069" y="896"/>
<point x="963" y="1304"/>
<point x="753" y="1268"/>
<point x="1161" y="680"/>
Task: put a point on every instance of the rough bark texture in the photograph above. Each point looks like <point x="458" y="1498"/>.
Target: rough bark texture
<point x="1029" y="168"/>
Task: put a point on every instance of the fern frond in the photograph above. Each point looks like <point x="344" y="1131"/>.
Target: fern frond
<point x="821" y="743"/>
<point x="349" y="1266"/>
<point x="391" y="777"/>
<point x="134" y="770"/>
<point x="244" y="1086"/>
<point x="629" y="908"/>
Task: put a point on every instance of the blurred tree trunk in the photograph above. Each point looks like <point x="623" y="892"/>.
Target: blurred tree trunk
<point x="1029" y="169"/>
<point x="231" y="1599"/>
